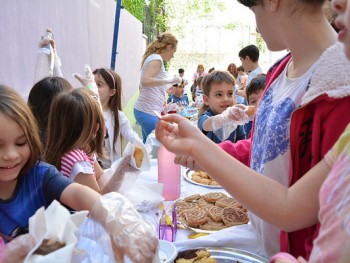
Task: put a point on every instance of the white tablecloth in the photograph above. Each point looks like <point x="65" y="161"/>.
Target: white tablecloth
<point x="240" y="237"/>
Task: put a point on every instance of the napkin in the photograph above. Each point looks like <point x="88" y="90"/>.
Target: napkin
<point x="55" y="223"/>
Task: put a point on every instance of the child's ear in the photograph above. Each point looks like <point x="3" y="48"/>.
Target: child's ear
<point x="206" y="100"/>
<point x="112" y="92"/>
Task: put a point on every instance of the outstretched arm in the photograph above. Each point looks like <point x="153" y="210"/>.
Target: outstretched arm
<point x="285" y="208"/>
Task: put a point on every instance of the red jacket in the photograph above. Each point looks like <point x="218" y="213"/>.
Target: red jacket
<point x="314" y="128"/>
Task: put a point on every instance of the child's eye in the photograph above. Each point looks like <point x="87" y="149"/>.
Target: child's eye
<point x="21" y="143"/>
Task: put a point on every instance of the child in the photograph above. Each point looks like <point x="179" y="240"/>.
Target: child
<point x="27" y="184"/>
<point x="218" y="95"/>
<point x="197" y="93"/>
<point x="301" y="113"/>
<point x="117" y="124"/>
<point x="178" y="97"/>
<point x="75" y="134"/>
<point x="254" y="91"/>
<point x="40" y="98"/>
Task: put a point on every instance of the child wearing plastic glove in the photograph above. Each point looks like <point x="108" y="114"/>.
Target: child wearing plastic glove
<point x="27" y="174"/>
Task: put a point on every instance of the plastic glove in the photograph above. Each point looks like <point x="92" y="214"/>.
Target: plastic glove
<point x="131" y="235"/>
<point x="175" y="80"/>
<point x="116" y="180"/>
<point x="17" y="249"/>
<point x="88" y="80"/>
<point x="234" y="115"/>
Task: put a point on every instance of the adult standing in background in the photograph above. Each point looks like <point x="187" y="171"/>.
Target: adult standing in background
<point x="232" y="69"/>
<point x="154" y="81"/>
<point x="199" y="72"/>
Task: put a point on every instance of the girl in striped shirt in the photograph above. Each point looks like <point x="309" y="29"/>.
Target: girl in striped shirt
<point x="75" y="136"/>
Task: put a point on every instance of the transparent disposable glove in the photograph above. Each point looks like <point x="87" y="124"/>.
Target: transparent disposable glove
<point x="17" y="249"/>
<point x="88" y="79"/>
<point x="235" y="115"/>
<point x="117" y="178"/>
<point x="131" y="235"/>
<point x="175" y="80"/>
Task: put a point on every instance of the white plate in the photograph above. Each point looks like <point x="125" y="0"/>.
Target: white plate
<point x="167" y="251"/>
<point x="188" y="177"/>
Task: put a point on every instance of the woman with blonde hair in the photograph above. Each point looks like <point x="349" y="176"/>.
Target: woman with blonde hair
<point x="154" y="81"/>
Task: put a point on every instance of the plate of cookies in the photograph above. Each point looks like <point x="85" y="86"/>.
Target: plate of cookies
<point x="201" y="178"/>
<point x="210" y="212"/>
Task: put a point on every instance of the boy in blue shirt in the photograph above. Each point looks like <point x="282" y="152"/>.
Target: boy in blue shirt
<point x="178" y="96"/>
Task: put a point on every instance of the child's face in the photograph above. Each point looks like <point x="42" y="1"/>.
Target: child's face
<point x="342" y="7"/>
<point x="221" y="97"/>
<point x="254" y="98"/>
<point x="14" y="150"/>
<point x="179" y="90"/>
<point x="104" y="90"/>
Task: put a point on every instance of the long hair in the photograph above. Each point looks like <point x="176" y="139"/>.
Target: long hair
<point x="159" y="45"/>
<point x="215" y="77"/>
<point x="13" y="106"/>
<point x="114" y="81"/>
<point x="75" y="121"/>
<point x="235" y="71"/>
<point x="40" y="98"/>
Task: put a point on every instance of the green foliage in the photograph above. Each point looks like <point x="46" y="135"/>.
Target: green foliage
<point x="135" y="7"/>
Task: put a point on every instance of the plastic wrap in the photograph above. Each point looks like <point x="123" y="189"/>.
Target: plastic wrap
<point x="131" y="235"/>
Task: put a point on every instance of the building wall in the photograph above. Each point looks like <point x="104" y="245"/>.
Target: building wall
<point x="83" y="30"/>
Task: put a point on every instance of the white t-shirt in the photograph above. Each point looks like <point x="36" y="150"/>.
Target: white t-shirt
<point x="152" y="98"/>
<point x="270" y="144"/>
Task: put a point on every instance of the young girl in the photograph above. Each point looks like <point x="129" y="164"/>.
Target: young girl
<point x="27" y="184"/>
<point x="301" y="113"/>
<point x="117" y="124"/>
<point x="218" y="95"/>
<point x="40" y="98"/>
<point x="75" y="134"/>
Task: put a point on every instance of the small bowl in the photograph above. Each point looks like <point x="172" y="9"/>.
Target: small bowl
<point x="167" y="251"/>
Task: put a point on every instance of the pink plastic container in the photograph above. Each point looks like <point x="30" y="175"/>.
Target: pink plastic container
<point x="169" y="174"/>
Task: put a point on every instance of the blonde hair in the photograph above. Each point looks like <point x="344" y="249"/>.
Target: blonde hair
<point x="13" y="106"/>
<point x="159" y="45"/>
<point x="75" y="121"/>
<point x="215" y="77"/>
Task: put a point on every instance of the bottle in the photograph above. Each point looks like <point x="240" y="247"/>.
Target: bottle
<point x="169" y="174"/>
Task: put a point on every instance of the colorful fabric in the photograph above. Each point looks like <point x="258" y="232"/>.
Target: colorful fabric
<point x="314" y="128"/>
<point x="68" y="161"/>
<point x="334" y="235"/>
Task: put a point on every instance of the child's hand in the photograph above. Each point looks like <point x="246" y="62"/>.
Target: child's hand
<point x="130" y="233"/>
<point x="88" y="80"/>
<point x="188" y="162"/>
<point x="178" y="134"/>
<point x="237" y="113"/>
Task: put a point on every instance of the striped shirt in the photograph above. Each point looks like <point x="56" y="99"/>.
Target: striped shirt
<point x="68" y="160"/>
<point x="152" y="98"/>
